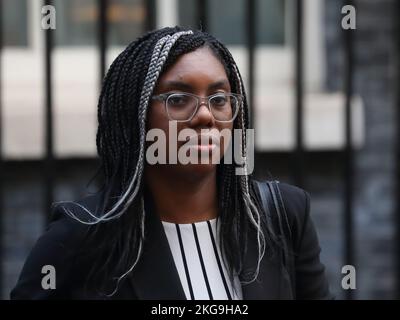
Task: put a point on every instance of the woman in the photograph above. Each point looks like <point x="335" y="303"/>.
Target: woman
<point x="194" y="230"/>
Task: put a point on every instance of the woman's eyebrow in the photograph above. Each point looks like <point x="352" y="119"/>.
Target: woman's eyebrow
<point x="219" y="84"/>
<point x="186" y="86"/>
<point x="178" y="85"/>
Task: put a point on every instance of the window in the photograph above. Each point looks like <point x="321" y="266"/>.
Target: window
<point x="77" y="22"/>
<point x="226" y="19"/>
<point x="14" y="15"/>
<point x="271" y="20"/>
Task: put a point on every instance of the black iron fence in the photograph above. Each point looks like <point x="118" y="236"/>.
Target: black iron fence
<point x="1" y="158"/>
<point x="396" y="14"/>
<point x="299" y="167"/>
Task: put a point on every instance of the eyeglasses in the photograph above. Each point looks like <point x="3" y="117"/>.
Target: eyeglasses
<point x="183" y="106"/>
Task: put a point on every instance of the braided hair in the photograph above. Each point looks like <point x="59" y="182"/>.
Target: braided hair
<point x="122" y="110"/>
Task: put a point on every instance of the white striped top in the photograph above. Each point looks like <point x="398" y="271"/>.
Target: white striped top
<point x="197" y="257"/>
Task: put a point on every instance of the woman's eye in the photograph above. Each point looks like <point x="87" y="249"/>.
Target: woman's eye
<point x="219" y="100"/>
<point x="177" y="100"/>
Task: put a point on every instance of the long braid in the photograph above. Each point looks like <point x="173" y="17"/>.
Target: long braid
<point x="124" y="103"/>
<point x="154" y="71"/>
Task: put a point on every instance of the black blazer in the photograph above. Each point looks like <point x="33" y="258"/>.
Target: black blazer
<point x="155" y="276"/>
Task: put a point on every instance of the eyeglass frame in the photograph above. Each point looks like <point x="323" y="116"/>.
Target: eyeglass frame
<point x="164" y="97"/>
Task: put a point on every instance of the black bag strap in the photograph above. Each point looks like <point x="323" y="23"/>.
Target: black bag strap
<point x="276" y="213"/>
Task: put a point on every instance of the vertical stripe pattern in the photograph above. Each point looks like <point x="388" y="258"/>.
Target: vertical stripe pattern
<point x="203" y="268"/>
<point x="189" y="283"/>
<point x="218" y="261"/>
<point x="196" y="251"/>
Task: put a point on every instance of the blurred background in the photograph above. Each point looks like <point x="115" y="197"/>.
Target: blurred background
<point x="324" y="103"/>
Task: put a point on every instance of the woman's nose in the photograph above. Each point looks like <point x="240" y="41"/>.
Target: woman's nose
<point x="203" y="115"/>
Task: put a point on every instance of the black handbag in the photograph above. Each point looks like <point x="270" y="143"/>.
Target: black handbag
<point x="274" y="208"/>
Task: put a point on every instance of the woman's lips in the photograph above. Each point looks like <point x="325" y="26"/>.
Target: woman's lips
<point x="203" y="143"/>
<point x="204" y="147"/>
<point x="203" y="140"/>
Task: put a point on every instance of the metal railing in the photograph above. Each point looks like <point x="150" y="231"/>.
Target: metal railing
<point x="1" y="159"/>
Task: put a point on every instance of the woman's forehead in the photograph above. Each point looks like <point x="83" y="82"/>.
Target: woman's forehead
<point x="200" y="63"/>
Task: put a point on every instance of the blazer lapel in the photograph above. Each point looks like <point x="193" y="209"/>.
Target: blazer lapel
<point x="156" y="276"/>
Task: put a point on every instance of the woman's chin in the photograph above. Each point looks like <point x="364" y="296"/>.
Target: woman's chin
<point x="198" y="168"/>
<point x="195" y="170"/>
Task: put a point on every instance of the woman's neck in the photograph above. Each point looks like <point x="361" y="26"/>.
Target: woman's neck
<point x="180" y="199"/>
